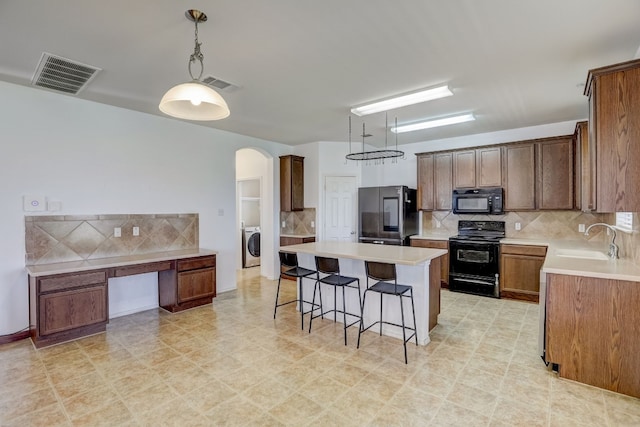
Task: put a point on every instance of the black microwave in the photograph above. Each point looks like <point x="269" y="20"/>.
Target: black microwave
<point x="478" y="201"/>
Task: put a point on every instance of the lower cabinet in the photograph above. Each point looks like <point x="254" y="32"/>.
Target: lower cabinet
<point x="520" y="271"/>
<point x="67" y="306"/>
<point x="444" y="260"/>
<point x="191" y="284"/>
<point x="592" y="333"/>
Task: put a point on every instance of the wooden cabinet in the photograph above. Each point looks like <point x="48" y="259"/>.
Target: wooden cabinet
<point x="192" y="283"/>
<point x="592" y="332"/>
<point x="519" y="172"/>
<point x="444" y="260"/>
<point x="585" y="172"/>
<point x="554" y="186"/>
<point x="520" y="271"/>
<point x="464" y="169"/>
<point x="290" y="240"/>
<point x="614" y="132"/>
<point x="480" y="167"/>
<point x="489" y="167"/>
<point x="435" y="185"/>
<point x="291" y="183"/>
<point x="66" y="306"/>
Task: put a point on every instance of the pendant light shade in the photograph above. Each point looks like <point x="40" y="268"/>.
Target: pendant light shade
<point x="194" y="100"/>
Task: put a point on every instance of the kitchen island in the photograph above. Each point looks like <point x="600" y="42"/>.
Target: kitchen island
<point x="418" y="267"/>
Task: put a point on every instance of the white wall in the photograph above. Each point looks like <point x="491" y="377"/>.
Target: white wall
<point x="98" y="159"/>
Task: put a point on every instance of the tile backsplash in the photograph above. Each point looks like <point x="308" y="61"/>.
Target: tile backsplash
<point x="62" y="238"/>
<point x="547" y="225"/>
<point x="298" y="222"/>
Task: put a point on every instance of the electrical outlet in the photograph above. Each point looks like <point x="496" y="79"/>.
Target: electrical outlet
<point x="581" y="228"/>
<point x="136" y="231"/>
<point x="518" y="226"/>
<point x="313" y="224"/>
<point x="117" y="232"/>
<point x="438" y="224"/>
<point x="284" y="225"/>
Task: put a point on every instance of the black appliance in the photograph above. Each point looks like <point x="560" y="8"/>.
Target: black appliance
<point x="474" y="258"/>
<point x="388" y="215"/>
<point x="478" y="201"/>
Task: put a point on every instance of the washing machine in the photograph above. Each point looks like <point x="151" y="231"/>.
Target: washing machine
<point x="250" y="246"/>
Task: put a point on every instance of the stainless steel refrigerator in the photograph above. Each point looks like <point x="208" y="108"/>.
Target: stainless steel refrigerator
<point x="387" y="215"/>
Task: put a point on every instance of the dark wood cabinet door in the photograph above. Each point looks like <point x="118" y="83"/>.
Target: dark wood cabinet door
<point x="66" y="310"/>
<point x="291" y="183"/>
<point x="196" y="284"/>
<point x="443" y="181"/>
<point x="489" y="167"/>
<point x="520" y="271"/>
<point x="614" y="118"/>
<point x="519" y="173"/>
<point x="555" y="173"/>
<point x="464" y="169"/>
<point x="425" y="166"/>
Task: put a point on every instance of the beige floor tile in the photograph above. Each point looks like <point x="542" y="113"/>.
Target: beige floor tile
<point x="203" y="367"/>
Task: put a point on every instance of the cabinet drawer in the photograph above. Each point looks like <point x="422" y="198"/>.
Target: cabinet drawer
<point x="524" y="250"/>
<point x="196" y="263"/>
<point x="70" y="281"/>
<point x="142" y="268"/>
<point x="431" y="244"/>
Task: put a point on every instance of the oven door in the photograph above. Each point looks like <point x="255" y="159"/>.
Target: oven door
<point x="474" y="258"/>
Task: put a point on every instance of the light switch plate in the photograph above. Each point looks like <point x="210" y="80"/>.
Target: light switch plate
<point x="34" y="203"/>
<point x="136" y="231"/>
<point x="518" y="226"/>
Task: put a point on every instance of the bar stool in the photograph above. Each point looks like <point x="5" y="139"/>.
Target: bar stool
<point x="289" y="266"/>
<point x="383" y="274"/>
<point x="331" y="267"/>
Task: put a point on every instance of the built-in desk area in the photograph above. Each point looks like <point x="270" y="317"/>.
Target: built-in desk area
<point x="418" y="267"/>
<point x="70" y="300"/>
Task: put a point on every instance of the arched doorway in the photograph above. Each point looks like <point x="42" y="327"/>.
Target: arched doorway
<point x="254" y="206"/>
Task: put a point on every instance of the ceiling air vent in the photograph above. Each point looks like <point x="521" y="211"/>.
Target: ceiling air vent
<point x="218" y="84"/>
<point x="63" y="75"/>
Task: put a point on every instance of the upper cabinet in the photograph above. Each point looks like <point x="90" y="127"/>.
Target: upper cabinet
<point x="614" y="132"/>
<point x="519" y="172"/>
<point x="554" y="186"/>
<point x="585" y="169"/>
<point x="480" y="167"/>
<point x="435" y="185"/>
<point x="535" y="174"/>
<point x="291" y="183"/>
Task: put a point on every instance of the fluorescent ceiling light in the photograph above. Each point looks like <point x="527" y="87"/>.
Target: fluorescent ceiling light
<point x="433" y="123"/>
<point x="402" y="101"/>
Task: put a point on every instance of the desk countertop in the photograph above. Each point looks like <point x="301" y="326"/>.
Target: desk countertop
<point x="121" y="261"/>
<point x="405" y="255"/>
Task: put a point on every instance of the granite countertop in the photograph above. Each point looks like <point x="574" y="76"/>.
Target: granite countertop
<point x="121" y="261"/>
<point x="298" y="236"/>
<point x="405" y="255"/>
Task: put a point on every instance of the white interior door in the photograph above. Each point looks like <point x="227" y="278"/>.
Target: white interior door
<point x="340" y="197"/>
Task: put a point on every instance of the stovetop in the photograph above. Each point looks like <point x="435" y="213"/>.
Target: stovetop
<point x="480" y="231"/>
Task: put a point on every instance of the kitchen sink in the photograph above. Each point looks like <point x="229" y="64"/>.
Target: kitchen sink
<point x="581" y="253"/>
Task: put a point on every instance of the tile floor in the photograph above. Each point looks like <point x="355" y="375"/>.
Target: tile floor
<point x="230" y="363"/>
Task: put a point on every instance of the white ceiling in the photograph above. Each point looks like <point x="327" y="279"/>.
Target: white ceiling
<point x="300" y="65"/>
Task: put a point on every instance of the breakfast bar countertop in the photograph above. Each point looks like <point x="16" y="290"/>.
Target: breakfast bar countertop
<point x="120" y="261"/>
<point x="405" y="255"/>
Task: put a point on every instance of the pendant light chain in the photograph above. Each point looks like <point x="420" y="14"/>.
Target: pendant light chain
<point x="197" y="54"/>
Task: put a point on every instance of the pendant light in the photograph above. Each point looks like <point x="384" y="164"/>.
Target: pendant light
<point x="194" y="100"/>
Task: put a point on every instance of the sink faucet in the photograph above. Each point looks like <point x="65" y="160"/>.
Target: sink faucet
<point x="613" y="248"/>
